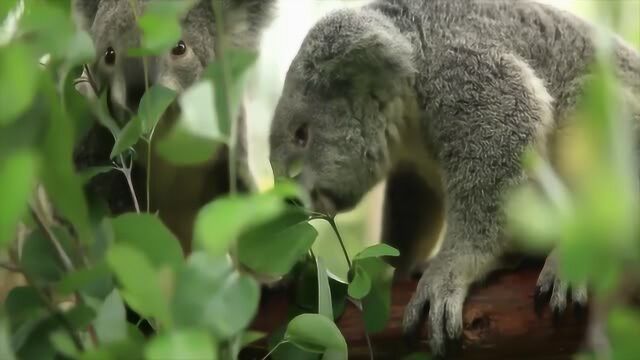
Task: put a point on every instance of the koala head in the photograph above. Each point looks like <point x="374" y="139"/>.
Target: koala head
<point x="112" y="26"/>
<point x="331" y="125"/>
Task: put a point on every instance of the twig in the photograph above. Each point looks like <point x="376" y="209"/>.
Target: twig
<point x="274" y="349"/>
<point x="220" y="52"/>
<point x="10" y="267"/>
<point x="62" y="255"/>
<point x="51" y="308"/>
<point x="126" y="171"/>
<point x="332" y="222"/>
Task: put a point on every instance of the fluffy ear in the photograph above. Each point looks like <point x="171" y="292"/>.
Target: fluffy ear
<point x="355" y="45"/>
<point x="84" y="12"/>
<point x="246" y="20"/>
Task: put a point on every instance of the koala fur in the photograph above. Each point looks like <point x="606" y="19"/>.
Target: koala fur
<point x="177" y="192"/>
<point x="441" y="99"/>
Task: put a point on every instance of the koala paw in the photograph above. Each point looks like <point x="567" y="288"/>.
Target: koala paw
<point x="555" y="291"/>
<point x="443" y="289"/>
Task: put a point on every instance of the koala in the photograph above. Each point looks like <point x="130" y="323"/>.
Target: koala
<point x="176" y="192"/>
<point x="440" y="99"/>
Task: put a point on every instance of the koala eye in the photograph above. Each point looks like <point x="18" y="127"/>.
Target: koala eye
<point x="110" y="56"/>
<point x="179" y="49"/>
<point x="302" y="135"/>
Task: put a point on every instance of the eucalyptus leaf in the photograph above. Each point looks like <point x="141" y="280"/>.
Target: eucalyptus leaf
<point x="183" y="345"/>
<point x="360" y="285"/>
<point x="210" y="294"/>
<point x="378" y="250"/>
<point x="182" y="147"/>
<point x="160" y="24"/>
<point x="111" y="322"/>
<point x="148" y="234"/>
<point x="274" y="247"/>
<point x="315" y="333"/>
<point x="19" y="74"/>
<point x="17" y="179"/>
<point x="324" y="291"/>
<point x="141" y="286"/>
<point x="128" y="137"/>
<point x="153" y="105"/>
<point x="222" y="221"/>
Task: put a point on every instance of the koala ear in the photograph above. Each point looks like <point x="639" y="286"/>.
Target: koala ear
<point x="84" y="12"/>
<point x="355" y="45"/>
<point x="250" y="16"/>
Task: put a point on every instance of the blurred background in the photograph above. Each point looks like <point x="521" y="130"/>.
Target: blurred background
<point x="280" y="44"/>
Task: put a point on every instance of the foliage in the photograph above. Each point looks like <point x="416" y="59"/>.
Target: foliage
<point x="84" y="271"/>
<point x="589" y="213"/>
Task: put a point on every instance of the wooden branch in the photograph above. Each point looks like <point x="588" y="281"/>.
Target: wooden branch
<point x="499" y="323"/>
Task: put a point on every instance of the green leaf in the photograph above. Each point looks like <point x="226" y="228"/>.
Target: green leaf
<point x="62" y="184"/>
<point x="17" y="179"/>
<point x="324" y="291"/>
<point x="80" y="49"/>
<point x="23" y="304"/>
<point x="49" y="26"/>
<point x="183" y="345"/>
<point x="83" y="279"/>
<point x="210" y="294"/>
<point x="153" y="104"/>
<point x="111" y="322"/>
<point x="315" y="333"/>
<point x="6" y="352"/>
<point x="147" y="233"/>
<point x="377" y="304"/>
<point x="19" y="74"/>
<point x="360" y="286"/>
<point x="128" y="137"/>
<point x="287" y="350"/>
<point x="623" y="325"/>
<point x="238" y="62"/>
<point x="220" y="222"/>
<point x="181" y="147"/>
<point x="198" y="115"/>
<point x="39" y="259"/>
<point x="249" y="337"/>
<point x="376" y="251"/>
<point x="128" y="349"/>
<point x="274" y="248"/>
<point x="141" y="286"/>
<point x="89" y="173"/>
<point x="160" y="26"/>
<point x="63" y="343"/>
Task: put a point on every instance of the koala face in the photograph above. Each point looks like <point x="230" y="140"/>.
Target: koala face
<point x="333" y="144"/>
<point x="112" y="26"/>
<point x="331" y="126"/>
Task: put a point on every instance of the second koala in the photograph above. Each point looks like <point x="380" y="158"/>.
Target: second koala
<point x="440" y="99"/>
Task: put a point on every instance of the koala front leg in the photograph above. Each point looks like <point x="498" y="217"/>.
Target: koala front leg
<point x="550" y="287"/>
<point x="471" y="250"/>
<point x="490" y="108"/>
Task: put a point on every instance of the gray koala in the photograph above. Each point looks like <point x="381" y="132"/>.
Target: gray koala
<point x="440" y="98"/>
<point x="176" y="192"/>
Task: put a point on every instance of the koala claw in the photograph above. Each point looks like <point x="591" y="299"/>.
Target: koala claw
<point x="444" y="299"/>
<point x="555" y="291"/>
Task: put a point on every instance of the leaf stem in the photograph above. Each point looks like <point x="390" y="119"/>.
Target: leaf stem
<point x="274" y="349"/>
<point x="126" y="171"/>
<point x="49" y="235"/>
<point x="220" y="53"/>
<point x="332" y="222"/>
